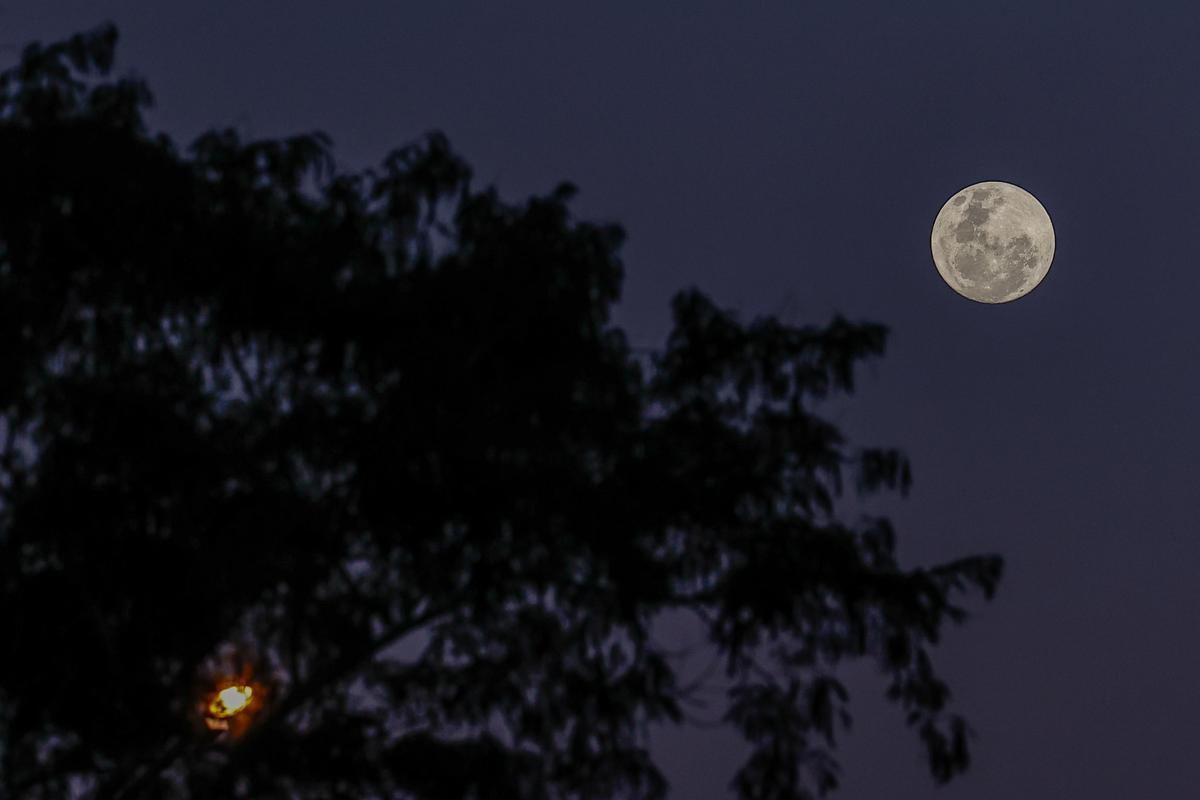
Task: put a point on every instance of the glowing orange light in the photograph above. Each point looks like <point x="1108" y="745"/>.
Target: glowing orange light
<point x="230" y="701"/>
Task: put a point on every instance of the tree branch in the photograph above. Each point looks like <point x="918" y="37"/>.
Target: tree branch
<point x="333" y="673"/>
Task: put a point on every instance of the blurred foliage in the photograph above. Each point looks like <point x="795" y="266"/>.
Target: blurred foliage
<point x="370" y="442"/>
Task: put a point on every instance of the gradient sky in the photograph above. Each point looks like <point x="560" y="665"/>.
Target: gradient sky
<point x="789" y="158"/>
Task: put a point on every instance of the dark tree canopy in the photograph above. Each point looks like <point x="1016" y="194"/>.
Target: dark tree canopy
<point x="370" y="444"/>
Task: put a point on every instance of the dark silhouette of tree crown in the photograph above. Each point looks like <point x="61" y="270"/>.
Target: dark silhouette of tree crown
<point x="371" y="443"/>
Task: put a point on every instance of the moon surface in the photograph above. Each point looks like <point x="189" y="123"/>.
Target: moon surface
<point x="993" y="242"/>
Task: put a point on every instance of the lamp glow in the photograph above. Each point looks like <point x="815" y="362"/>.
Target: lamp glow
<point x="230" y="701"/>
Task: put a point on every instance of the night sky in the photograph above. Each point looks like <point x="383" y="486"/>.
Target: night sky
<point x="789" y="158"/>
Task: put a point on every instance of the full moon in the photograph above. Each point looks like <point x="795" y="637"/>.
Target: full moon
<point x="993" y="242"/>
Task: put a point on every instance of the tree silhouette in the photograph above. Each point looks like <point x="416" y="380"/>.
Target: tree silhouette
<point x="370" y="445"/>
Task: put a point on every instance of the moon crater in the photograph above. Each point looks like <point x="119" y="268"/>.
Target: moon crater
<point x="993" y="242"/>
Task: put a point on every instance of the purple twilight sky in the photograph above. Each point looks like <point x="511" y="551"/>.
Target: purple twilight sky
<point x="789" y="157"/>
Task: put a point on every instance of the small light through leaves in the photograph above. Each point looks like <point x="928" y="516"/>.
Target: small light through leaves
<point x="230" y="701"/>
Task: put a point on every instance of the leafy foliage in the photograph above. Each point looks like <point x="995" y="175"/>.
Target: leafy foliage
<point x="371" y="442"/>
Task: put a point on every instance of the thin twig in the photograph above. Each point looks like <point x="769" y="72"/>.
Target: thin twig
<point x="118" y="789"/>
<point x="250" y="386"/>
